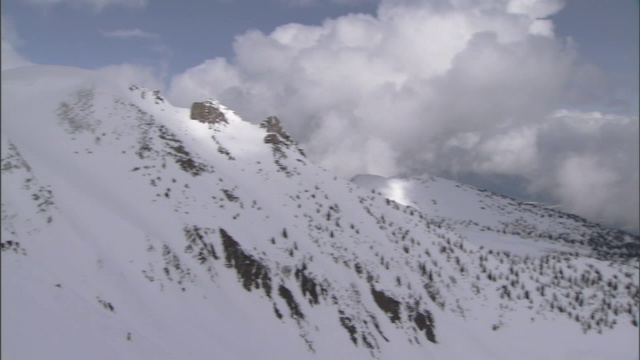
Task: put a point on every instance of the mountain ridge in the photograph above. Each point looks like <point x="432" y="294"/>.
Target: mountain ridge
<point x="485" y="210"/>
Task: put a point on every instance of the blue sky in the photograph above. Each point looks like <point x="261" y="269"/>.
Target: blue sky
<point x="182" y="34"/>
<point x="534" y="98"/>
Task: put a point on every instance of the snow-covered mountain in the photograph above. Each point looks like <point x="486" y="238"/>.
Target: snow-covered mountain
<point x="132" y="229"/>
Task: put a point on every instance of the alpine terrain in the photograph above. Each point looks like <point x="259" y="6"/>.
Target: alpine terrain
<point x="133" y="229"/>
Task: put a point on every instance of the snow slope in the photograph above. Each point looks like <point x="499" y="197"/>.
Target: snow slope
<point x="131" y="231"/>
<point x="500" y="222"/>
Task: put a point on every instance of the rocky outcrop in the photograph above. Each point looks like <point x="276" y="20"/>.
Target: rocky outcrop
<point x="207" y="112"/>
<point x="277" y="135"/>
<point x="279" y="140"/>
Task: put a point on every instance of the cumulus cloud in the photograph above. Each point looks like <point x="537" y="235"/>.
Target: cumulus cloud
<point x="97" y="5"/>
<point x="440" y="87"/>
<point x="10" y="40"/>
<point x="535" y="9"/>
<point x="129" y="34"/>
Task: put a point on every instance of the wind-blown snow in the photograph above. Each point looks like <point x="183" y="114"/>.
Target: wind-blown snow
<point x="131" y="231"/>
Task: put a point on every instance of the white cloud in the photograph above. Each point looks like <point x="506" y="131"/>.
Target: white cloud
<point x="10" y="40"/>
<point x="130" y="74"/>
<point x="590" y="164"/>
<point x="593" y="187"/>
<point x="542" y="28"/>
<point x="97" y="5"/>
<point x="510" y="153"/>
<point x="129" y="34"/>
<point x="440" y="87"/>
<point x="216" y="73"/>
<point x="578" y="175"/>
<point x="535" y="8"/>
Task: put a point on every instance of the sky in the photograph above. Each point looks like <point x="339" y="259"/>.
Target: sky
<point x="537" y="99"/>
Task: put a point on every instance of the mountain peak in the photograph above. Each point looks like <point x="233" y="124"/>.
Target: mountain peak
<point x="208" y="112"/>
<point x="144" y="92"/>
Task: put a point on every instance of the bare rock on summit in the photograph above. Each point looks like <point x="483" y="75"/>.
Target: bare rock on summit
<point x="206" y="112"/>
<point x="277" y="134"/>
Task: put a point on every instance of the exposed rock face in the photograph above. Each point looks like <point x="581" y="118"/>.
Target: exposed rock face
<point x="206" y="112"/>
<point x="279" y="140"/>
<point x="277" y="134"/>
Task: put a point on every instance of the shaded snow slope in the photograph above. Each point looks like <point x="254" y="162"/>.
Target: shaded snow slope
<point x="131" y="231"/>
